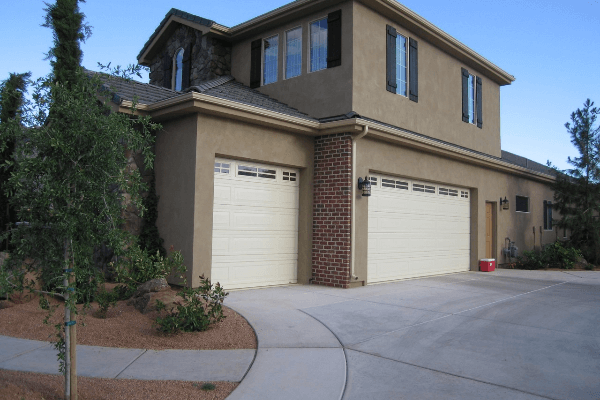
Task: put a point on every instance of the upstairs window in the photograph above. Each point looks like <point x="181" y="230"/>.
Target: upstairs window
<point x="270" y="52"/>
<point x="402" y="65"/>
<point x="471" y="99"/>
<point x="293" y="52"/>
<point x="522" y="204"/>
<point x="472" y="103"/>
<point x="318" y="45"/>
<point x="178" y="73"/>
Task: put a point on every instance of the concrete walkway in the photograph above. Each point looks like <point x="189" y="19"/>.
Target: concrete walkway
<point x="106" y="362"/>
<point x="507" y="334"/>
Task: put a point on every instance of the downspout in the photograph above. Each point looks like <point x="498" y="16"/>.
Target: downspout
<point x="354" y="185"/>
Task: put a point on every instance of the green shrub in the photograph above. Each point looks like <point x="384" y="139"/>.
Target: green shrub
<point x="555" y="255"/>
<point x="139" y="267"/>
<point x="105" y="300"/>
<point x="200" y="308"/>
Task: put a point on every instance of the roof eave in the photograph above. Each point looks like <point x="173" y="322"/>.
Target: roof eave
<point x="428" y="31"/>
<point x="150" y="50"/>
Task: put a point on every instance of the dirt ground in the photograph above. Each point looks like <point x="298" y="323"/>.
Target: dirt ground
<point x="123" y="327"/>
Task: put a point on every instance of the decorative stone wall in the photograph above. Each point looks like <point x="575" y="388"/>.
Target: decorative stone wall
<point x="332" y="199"/>
<point x="211" y="57"/>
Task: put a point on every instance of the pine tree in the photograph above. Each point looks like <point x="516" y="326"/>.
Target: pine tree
<point x="577" y="190"/>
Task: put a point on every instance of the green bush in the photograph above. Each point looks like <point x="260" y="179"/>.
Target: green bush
<point x="555" y="255"/>
<point x="200" y="308"/>
<point x="139" y="267"/>
<point x="105" y="300"/>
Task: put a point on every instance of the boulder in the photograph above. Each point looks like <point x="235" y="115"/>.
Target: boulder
<point x="147" y="302"/>
<point x="144" y="298"/>
<point x="153" y="285"/>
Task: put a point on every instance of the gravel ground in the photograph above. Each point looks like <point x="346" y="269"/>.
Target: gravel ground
<point x="30" y="386"/>
<point x="123" y="327"/>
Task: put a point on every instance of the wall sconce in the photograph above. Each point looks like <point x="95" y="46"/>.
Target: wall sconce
<point x="504" y="203"/>
<point x="365" y="186"/>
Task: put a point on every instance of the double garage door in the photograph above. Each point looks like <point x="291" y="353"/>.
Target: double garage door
<point x="416" y="229"/>
<point x="255" y="224"/>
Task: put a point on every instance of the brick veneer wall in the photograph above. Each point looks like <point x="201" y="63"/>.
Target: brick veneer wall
<point x="332" y="210"/>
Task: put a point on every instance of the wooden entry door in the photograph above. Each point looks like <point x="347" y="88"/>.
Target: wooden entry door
<point x="489" y="230"/>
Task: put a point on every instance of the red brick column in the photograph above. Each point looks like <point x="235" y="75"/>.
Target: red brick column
<point x="332" y="210"/>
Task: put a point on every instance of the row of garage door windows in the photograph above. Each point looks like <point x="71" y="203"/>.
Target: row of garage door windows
<point x="271" y="173"/>
<point x="521" y="203"/>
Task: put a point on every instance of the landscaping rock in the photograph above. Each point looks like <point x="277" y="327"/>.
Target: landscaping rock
<point x="147" y="302"/>
<point x="154" y="285"/>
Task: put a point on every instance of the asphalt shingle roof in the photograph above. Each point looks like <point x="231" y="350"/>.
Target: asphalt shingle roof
<point x="527" y="163"/>
<point x="126" y="90"/>
<point x="224" y="87"/>
<point x="227" y="88"/>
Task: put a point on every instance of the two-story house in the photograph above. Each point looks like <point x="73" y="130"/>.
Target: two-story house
<point x="274" y="129"/>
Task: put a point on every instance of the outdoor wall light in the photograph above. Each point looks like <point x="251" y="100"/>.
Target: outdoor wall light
<point x="365" y="186"/>
<point x="504" y="203"/>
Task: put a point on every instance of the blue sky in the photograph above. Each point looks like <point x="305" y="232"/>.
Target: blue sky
<point x="551" y="47"/>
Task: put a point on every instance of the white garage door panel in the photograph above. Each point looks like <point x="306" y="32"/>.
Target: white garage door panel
<point x="255" y="226"/>
<point x="415" y="234"/>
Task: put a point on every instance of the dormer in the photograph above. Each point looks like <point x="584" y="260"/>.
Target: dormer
<point x="186" y="50"/>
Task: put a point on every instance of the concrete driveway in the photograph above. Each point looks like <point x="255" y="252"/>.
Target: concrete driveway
<point x="502" y="335"/>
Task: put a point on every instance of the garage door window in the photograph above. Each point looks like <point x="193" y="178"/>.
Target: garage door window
<point x="222" y="168"/>
<point x="423" y="188"/>
<point x="448" y="192"/>
<point x="257" y="172"/>
<point x="289" y="176"/>
<point x="391" y="183"/>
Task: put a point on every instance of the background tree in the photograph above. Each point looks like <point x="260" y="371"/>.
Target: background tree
<point x="12" y="97"/>
<point x="69" y="170"/>
<point x="577" y="190"/>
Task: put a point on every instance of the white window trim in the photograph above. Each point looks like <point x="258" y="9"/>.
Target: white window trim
<point x="262" y="60"/>
<point x="473" y="119"/>
<point x="407" y="77"/>
<point x="285" y="51"/>
<point x="309" y="42"/>
<point x="528" y="204"/>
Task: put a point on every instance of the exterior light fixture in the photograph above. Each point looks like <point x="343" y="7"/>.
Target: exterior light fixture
<point x="504" y="203"/>
<point x="365" y="186"/>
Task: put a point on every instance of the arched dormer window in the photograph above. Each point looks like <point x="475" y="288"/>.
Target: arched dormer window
<point x="178" y="70"/>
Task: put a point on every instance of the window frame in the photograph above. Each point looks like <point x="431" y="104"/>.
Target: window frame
<point x="528" y="204"/>
<point x="406" y="66"/>
<point x="262" y="60"/>
<point x="285" y="52"/>
<point x="548" y="226"/>
<point x="472" y="98"/>
<point x="309" y="44"/>
<point x="175" y="69"/>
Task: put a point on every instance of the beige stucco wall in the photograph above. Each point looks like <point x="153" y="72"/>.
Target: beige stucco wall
<point x="486" y="185"/>
<point x="185" y="152"/>
<point x="175" y="176"/>
<point x="438" y="113"/>
<point x="319" y="94"/>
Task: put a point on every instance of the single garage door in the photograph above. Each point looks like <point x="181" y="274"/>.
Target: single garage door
<point x="255" y="224"/>
<point x="416" y="229"/>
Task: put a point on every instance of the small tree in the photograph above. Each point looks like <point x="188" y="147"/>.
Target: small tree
<point x="11" y="104"/>
<point x="69" y="169"/>
<point x="577" y="190"/>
